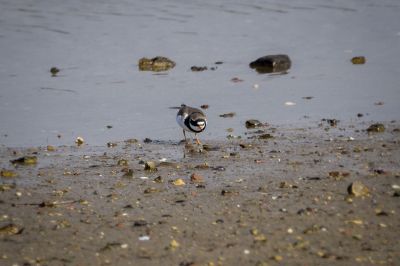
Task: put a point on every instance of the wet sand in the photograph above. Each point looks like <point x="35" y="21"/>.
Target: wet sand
<point x="283" y="200"/>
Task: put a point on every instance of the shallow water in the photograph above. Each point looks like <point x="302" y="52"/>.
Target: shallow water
<point x="97" y="44"/>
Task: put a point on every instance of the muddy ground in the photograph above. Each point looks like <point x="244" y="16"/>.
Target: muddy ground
<point x="281" y="200"/>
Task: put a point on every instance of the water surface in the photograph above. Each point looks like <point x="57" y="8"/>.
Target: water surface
<point x="97" y="44"/>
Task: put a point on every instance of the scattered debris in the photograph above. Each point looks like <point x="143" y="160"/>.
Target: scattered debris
<point x="198" y="68"/>
<point x="253" y="123"/>
<point x="376" y="128"/>
<point x="79" y="141"/>
<point x="150" y="166"/>
<point x="112" y="144"/>
<point x="156" y="64"/>
<point x="196" y="178"/>
<point x="174" y="244"/>
<point x="231" y="114"/>
<point x="54" y="71"/>
<point x="331" y="122"/>
<point x="178" y="182"/>
<point x="26" y="160"/>
<point x="151" y="190"/>
<point x="8" y="173"/>
<point x="122" y="162"/>
<point x="337" y="175"/>
<point x="10" y="229"/>
<point x="358" y="189"/>
<point x="236" y="80"/>
<point x="358" y="60"/>
<point x="272" y="64"/>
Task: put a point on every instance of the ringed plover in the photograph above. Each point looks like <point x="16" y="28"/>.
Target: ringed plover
<point x="192" y="120"/>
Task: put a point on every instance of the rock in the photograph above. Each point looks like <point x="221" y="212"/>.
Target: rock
<point x="150" y="166"/>
<point x="203" y="166"/>
<point x="128" y="173"/>
<point x="209" y="147"/>
<point x="150" y="190"/>
<point x="122" y="162"/>
<point x="54" y="71"/>
<point x="231" y="114"/>
<point x="112" y="144"/>
<point x="169" y="164"/>
<point x="376" y="128"/>
<point x="50" y="148"/>
<point x="178" y="182"/>
<point x="196" y="178"/>
<point x="285" y="184"/>
<point x="10" y="229"/>
<point x="159" y="179"/>
<point x="156" y="64"/>
<point x="5" y="187"/>
<point x="236" y="80"/>
<point x="331" y="122"/>
<point x="253" y="123"/>
<point x="131" y="141"/>
<point x="338" y="175"/>
<point x="307" y="97"/>
<point x="139" y="223"/>
<point x="358" y="189"/>
<point x="358" y="60"/>
<point x="272" y="63"/>
<point x="26" y="160"/>
<point x="265" y="136"/>
<point x="79" y="141"/>
<point x="219" y="168"/>
<point x="198" y="69"/>
<point x="147" y="140"/>
<point x="204" y="106"/>
<point x="174" y="244"/>
<point x="7" y="173"/>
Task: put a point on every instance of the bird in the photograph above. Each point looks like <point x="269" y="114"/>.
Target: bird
<point x="192" y="120"/>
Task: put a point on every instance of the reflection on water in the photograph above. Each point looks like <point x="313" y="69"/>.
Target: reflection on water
<point x="97" y="45"/>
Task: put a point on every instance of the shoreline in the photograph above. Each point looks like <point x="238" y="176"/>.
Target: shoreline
<point x="243" y="201"/>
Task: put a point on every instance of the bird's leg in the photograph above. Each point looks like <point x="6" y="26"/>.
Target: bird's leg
<point x="184" y="135"/>
<point x="197" y="139"/>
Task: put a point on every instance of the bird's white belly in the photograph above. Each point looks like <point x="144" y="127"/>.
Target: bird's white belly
<point x="181" y="121"/>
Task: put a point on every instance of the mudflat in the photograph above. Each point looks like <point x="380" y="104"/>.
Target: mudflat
<point x="300" y="196"/>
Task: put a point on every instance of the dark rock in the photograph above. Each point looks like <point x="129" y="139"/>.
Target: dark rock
<point x="331" y="122"/>
<point x="147" y="140"/>
<point x="54" y="71"/>
<point x="231" y="114"/>
<point x="198" y="69"/>
<point x="139" y="223"/>
<point x="26" y="160"/>
<point x="265" y="136"/>
<point x="376" y="128"/>
<point x="253" y="123"/>
<point x="271" y="63"/>
<point x="218" y="168"/>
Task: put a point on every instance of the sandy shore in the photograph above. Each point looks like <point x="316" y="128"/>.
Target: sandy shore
<point x="282" y="200"/>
